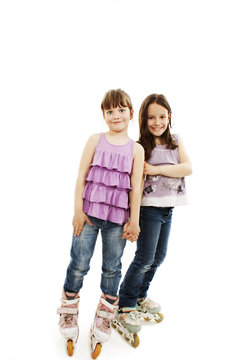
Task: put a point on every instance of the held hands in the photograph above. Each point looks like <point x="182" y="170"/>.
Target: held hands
<point x="131" y="231"/>
<point x="79" y="220"/>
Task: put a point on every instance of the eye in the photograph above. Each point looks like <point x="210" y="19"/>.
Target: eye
<point x="150" y="117"/>
<point x="122" y="110"/>
<point x="109" y="112"/>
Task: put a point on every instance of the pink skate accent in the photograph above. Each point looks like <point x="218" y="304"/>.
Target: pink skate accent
<point x="105" y="313"/>
<point x="68" y="312"/>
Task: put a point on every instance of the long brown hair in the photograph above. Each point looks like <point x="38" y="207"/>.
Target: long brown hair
<point x="146" y="139"/>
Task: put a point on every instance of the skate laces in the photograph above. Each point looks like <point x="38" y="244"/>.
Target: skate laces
<point x="147" y="303"/>
<point x="129" y="316"/>
<point x="132" y="315"/>
<point x="68" y="319"/>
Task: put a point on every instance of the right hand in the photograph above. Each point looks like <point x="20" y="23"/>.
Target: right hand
<point x="78" y="222"/>
<point x="130" y="231"/>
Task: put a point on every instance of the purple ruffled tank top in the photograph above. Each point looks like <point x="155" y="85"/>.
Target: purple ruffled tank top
<point x="108" y="182"/>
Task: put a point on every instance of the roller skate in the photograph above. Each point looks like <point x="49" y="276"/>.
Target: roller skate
<point x="101" y="329"/>
<point x="127" y="323"/>
<point x="68" y="323"/>
<point x="149" y="310"/>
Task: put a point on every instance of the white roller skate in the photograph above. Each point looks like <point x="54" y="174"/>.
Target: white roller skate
<point x="101" y="329"/>
<point x="149" y="310"/>
<point x="127" y="323"/>
<point x="68" y="323"/>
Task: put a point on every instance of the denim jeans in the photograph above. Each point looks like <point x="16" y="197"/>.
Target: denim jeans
<point x="82" y="252"/>
<point x="155" y="224"/>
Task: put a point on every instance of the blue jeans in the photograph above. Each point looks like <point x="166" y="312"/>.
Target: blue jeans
<point x="155" y="224"/>
<point x="82" y="252"/>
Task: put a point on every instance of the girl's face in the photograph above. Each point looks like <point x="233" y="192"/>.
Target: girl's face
<point x="158" y="119"/>
<point x="118" y="118"/>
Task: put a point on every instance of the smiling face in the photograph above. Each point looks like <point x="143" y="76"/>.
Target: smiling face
<point x="157" y="119"/>
<point x="118" y="118"/>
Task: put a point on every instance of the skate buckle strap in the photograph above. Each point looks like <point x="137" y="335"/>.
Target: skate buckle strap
<point x="67" y="310"/>
<point x="128" y="309"/>
<point x="106" y="315"/>
<point x="70" y="302"/>
<point x="108" y="305"/>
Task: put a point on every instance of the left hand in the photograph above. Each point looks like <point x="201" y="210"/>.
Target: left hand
<point x="131" y="231"/>
<point x="149" y="169"/>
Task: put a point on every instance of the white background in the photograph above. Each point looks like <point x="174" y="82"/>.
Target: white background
<point x="58" y="58"/>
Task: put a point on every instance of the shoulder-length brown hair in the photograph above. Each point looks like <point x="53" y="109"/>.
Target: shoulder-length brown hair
<point x="146" y="139"/>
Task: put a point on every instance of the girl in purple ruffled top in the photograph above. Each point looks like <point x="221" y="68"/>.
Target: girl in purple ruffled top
<point x="107" y="198"/>
<point x="166" y="165"/>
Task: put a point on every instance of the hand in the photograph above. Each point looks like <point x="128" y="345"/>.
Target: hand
<point x="78" y="222"/>
<point x="149" y="169"/>
<point x="131" y="231"/>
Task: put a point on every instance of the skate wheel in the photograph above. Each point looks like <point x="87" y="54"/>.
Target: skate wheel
<point x="70" y="347"/>
<point x="127" y="337"/>
<point x="114" y="326"/>
<point x="97" y="351"/>
<point x="135" y="341"/>
<point x="147" y="319"/>
<point x="120" y="331"/>
<point x="161" y="317"/>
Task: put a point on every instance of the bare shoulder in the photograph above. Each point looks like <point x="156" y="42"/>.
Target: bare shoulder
<point x="93" y="139"/>
<point x="138" y="149"/>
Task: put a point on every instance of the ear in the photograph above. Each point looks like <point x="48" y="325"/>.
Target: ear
<point x="131" y="114"/>
<point x="169" y="118"/>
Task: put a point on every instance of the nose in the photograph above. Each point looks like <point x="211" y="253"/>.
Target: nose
<point x="157" y="121"/>
<point x="116" y="115"/>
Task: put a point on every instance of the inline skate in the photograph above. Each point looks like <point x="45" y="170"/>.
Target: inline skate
<point x="68" y="323"/>
<point x="149" y="310"/>
<point x="127" y="323"/>
<point x="101" y="330"/>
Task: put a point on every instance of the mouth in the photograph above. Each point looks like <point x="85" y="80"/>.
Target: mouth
<point x="157" y="128"/>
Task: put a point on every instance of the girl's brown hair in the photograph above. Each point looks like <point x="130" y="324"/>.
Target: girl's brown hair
<point x="115" y="98"/>
<point x="146" y="139"/>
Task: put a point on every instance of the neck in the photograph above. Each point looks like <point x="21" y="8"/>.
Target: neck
<point x="116" y="138"/>
<point x="159" y="141"/>
<point x="120" y="134"/>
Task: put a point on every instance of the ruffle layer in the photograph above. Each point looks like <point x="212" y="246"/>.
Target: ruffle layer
<point x="98" y="193"/>
<point x="109" y="177"/>
<point x="106" y="212"/>
<point x="113" y="161"/>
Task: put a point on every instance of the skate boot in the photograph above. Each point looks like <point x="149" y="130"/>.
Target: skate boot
<point x="149" y="310"/>
<point x="127" y="323"/>
<point x="101" y="329"/>
<point x="68" y="323"/>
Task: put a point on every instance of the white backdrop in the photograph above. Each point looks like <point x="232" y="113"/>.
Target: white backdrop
<point x="58" y="58"/>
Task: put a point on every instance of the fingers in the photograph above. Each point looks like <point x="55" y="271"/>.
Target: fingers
<point x="125" y="227"/>
<point x="130" y="237"/>
<point x="89" y="221"/>
<point x="77" y="229"/>
<point x="78" y="224"/>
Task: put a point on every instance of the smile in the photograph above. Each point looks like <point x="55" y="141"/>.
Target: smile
<point x="157" y="128"/>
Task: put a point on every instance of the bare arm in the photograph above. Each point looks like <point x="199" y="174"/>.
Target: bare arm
<point x="132" y="229"/>
<point x="184" y="168"/>
<point x="80" y="217"/>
